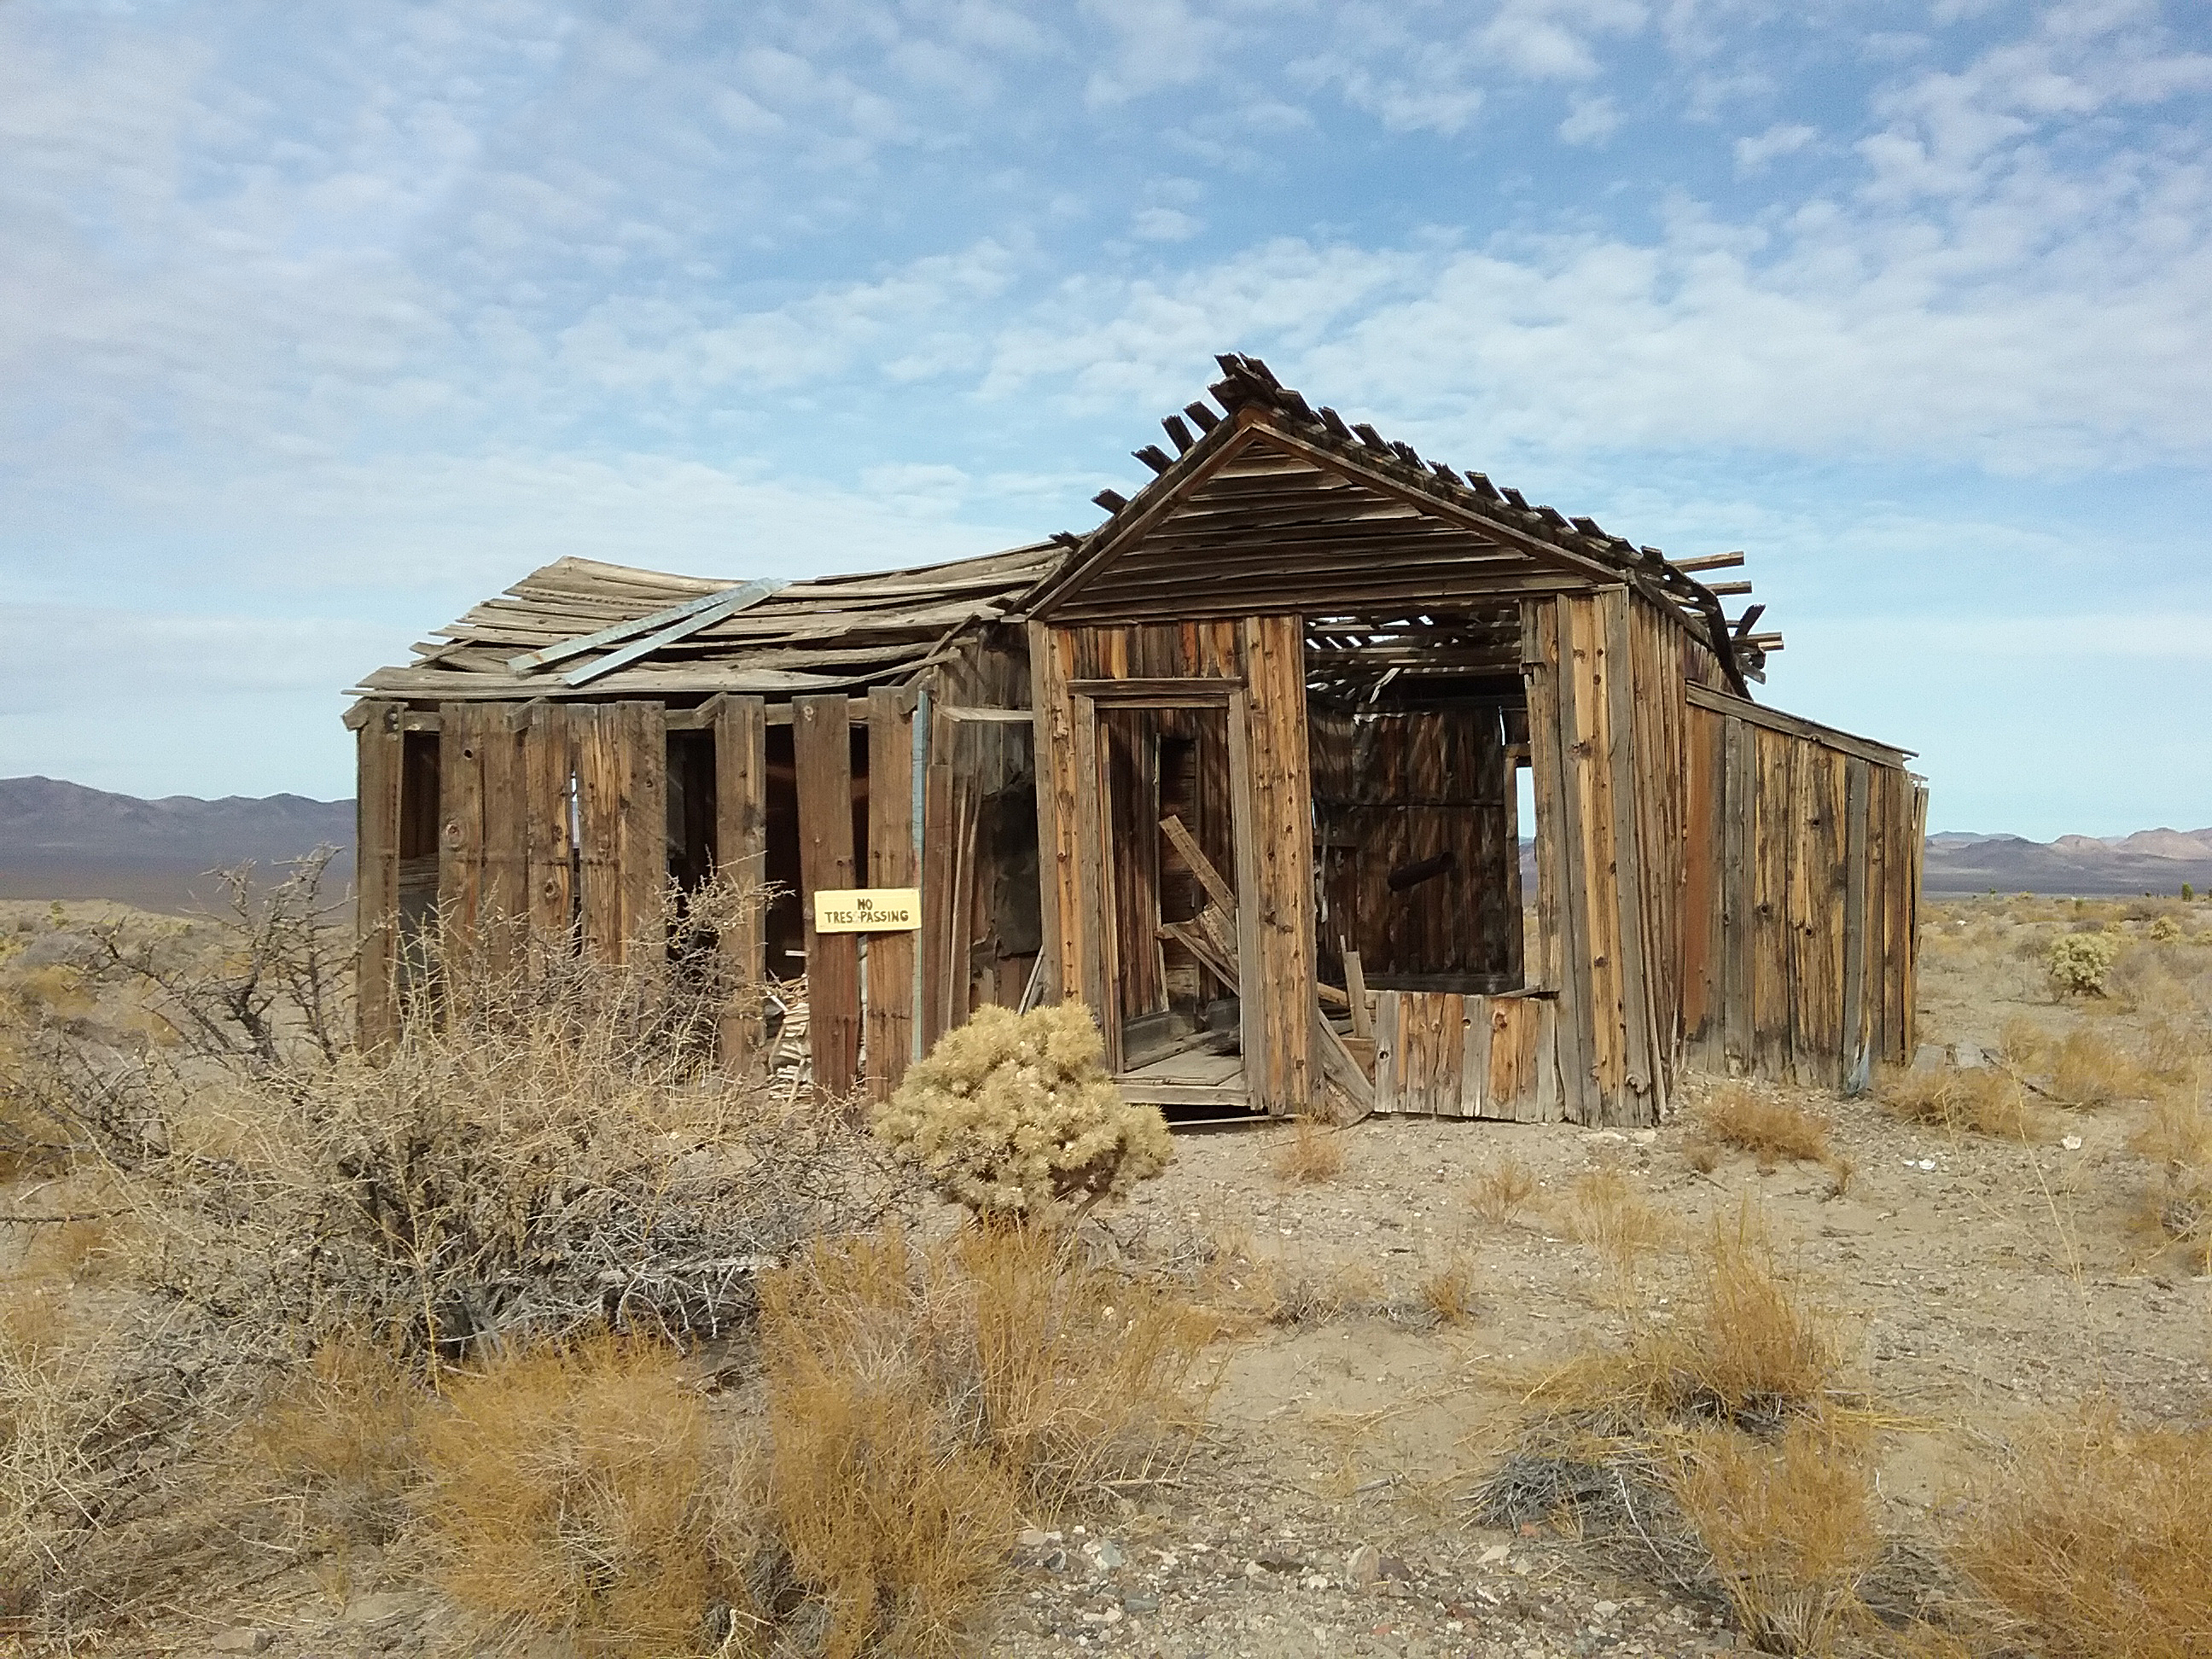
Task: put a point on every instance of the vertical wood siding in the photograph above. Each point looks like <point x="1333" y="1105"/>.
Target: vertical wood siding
<point x="1802" y="869"/>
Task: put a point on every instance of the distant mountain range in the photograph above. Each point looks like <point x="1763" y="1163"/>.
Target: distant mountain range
<point x="2148" y="861"/>
<point x="61" y="839"/>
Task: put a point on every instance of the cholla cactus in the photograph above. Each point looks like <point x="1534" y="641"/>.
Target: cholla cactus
<point x="1014" y="1116"/>
<point x="2166" y="930"/>
<point x="2078" y="963"/>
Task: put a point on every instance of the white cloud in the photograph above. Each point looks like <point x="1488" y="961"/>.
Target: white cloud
<point x="1780" y="139"/>
<point x="1591" y="121"/>
<point x="1164" y="224"/>
<point x="1551" y="40"/>
<point x="1152" y="43"/>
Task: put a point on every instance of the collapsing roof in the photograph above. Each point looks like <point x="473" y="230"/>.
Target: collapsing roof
<point x="1346" y="496"/>
<point x="580" y="629"/>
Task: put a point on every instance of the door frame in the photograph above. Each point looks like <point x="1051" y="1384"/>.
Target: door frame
<point x="1101" y="964"/>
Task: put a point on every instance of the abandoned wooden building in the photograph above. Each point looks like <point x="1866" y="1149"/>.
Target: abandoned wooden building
<point x="1241" y="768"/>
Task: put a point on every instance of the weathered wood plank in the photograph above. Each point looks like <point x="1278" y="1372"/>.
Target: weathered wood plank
<point x="1060" y="898"/>
<point x="643" y="746"/>
<point x="1628" y="784"/>
<point x="890" y="864"/>
<point x="548" y="830"/>
<point x="506" y="889"/>
<point x="1769" y="718"/>
<point x="822" y="754"/>
<point x="381" y="748"/>
<point x="1738" y="887"/>
<point x="1702" y="907"/>
<point x="740" y="728"/>
<point x="1589" y="777"/>
<point x="1096" y="968"/>
<point x="1388" y="1042"/>
<point x="1561" y="887"/>
<point x="1277" y="799"/>
<point x="1478" y="1030"/>
<point x="1857" y="1049"/>
<point x="1210" y="879"/>
<point x="1773" y="951"/>
<point x="1252" y="1028"/>
<point x="935" y="948"/>
<point x="460" y="830"/>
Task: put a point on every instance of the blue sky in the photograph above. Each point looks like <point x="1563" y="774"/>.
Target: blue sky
<point x="321" y="322"/>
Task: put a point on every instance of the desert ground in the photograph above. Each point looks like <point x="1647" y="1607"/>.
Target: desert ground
<point x="1426" y="1353"/>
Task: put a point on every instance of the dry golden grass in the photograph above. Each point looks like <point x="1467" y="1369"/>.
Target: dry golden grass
<point x="1770" y="1128"/>
<point x="2098" y="1535"/>
<point x="1249" y="1290"/>
<point x="576" y="1488"/>
<point x="1604" y="1212"/>
<point x="1309" y="1155"/>
<point x="1714" y="1451"/>
<point x="2081" y="1069"/>
<point x="1450" y="1292"/>
<point x="1980" y="1099"/>
<point x="2175" y="1135"/>
<point x="1500" y="1190"/>
<point x="919" y="1398"/>
<point x="1751" y="1342"/>
<point x="338" y="1437"/>
<point x="1789" y="1524"/>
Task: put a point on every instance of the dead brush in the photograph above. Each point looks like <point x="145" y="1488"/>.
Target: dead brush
<point x="547" y="1148"/>
<point x="919" y="1399"/>
<point x="1983" y="1100"/>
<point x="2095" y="1533"/>
<point x="1767" y="1126"/>
<point x="1501" y="1190"/>
<point x="1311" y="1155"/>
<point x="577" y="1488"/>
<point x="1248" y="1291"/>
<point x="109" y="1498"/>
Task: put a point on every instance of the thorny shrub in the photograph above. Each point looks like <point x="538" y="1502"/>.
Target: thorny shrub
<point x="1014" y="1116"/>
<point x="1789" y="1523"/>
<point x="556" y="1153"/>
<point x="1604" y="1212"/>
<point x="1500" y="1189"/>
<point x="2175" y="1136"/>
<point x="2083" y="1069"/>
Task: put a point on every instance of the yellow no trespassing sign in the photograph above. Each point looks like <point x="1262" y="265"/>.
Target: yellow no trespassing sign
<point x="867" y="910"/>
